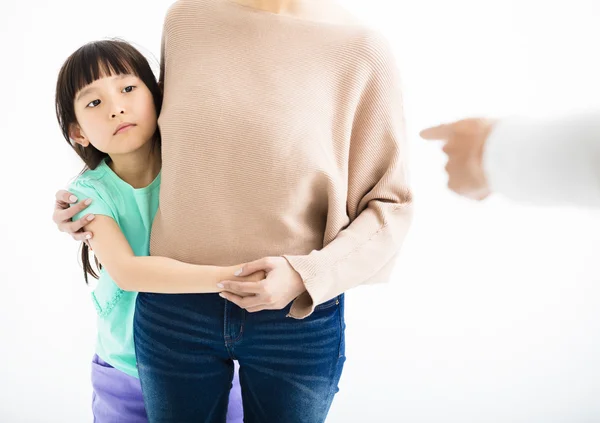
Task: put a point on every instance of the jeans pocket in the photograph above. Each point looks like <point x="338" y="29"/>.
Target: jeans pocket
<point x="328" y="304"/>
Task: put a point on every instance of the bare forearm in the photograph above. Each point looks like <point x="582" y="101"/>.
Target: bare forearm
<point x="168" y="276"/>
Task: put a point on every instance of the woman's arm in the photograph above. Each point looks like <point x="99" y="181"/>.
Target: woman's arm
<point x="379" y="201"/>
<point x="150" y="273"/>
<point x="379" y="206"/>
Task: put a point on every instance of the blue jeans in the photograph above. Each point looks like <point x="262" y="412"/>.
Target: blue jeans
<point x="185" y="344"/>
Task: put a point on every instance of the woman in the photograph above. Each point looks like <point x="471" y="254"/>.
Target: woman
<point x="293" y="89"/>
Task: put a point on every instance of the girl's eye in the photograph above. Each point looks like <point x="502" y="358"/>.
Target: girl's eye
<point x="93" y="104"/>
<point x="128" y="89"/>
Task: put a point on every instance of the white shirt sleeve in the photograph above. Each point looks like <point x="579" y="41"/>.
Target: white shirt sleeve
<point x="550" y="162"/>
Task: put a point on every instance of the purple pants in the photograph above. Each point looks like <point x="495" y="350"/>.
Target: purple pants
<point x="117" y="397"/>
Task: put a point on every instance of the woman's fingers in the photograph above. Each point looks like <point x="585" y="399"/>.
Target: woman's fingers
<point x="241" y="287"/>
<point x="254" y="302"/>
<point x="65" y="197"/>
<point x="255" y="277"/>
<point x="264" y="264"/>
<point x="256" y="309"/>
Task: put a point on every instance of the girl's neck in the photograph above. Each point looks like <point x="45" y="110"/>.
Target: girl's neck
<point x="138" y="168"/>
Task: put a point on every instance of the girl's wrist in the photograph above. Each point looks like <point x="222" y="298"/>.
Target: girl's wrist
<point x="224" y="274"/>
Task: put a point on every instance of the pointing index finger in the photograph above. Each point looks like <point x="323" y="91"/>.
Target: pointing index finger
<point x="440" y="132"/>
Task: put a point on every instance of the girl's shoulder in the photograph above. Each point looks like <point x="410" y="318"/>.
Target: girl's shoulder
<point x="96" y="185"/>
<point x="93" y="177"/>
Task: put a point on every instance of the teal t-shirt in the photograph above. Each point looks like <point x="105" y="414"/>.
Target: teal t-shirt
<point x="133" y="210"/>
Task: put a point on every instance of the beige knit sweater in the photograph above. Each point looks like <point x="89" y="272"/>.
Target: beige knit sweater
<point x="281" y="137"/>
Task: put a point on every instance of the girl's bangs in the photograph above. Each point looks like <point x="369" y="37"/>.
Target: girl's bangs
<point x="98" y="61"/>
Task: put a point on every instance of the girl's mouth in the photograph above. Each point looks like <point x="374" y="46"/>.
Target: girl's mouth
<point x="124" y="127"/>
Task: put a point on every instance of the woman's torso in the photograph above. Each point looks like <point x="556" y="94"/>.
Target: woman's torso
<point x="256" y="126"/>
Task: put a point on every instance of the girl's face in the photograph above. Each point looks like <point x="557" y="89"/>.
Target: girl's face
<point x="116" y="114"/>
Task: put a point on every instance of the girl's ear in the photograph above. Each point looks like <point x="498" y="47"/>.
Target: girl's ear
<point x="77" y="135"/>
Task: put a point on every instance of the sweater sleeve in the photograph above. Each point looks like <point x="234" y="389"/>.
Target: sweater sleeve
<point x="379" y="201"/>
<point x="546" y="161"/>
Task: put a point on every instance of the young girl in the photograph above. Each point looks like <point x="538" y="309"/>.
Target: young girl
<point x="107" y="103"/>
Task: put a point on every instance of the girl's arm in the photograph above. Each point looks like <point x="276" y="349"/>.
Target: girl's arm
<point x="151" y="273"/>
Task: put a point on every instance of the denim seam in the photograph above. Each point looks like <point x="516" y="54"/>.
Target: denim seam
<point x="243" y="321"/>
<point x="331" y="304"/>
<point x="225" y="321"/>
<point x="341" y="317"/>
<point x="226" y="336"/>
<point x="137" y="364"/>
<point x="337" y="361"/>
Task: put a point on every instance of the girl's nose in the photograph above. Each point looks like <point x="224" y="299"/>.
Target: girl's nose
<point x="121" y="112"/>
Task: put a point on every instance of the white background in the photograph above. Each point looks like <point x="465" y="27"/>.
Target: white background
<point x="493" y="314"/>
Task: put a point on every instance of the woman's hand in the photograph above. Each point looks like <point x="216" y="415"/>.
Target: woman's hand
<point x="280" y="287"/>
<point x="63" y="214"/>
<point x="253" y="278"/>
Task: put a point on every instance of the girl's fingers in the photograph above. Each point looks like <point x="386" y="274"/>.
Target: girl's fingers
<point x="72" y="227"/>
<point x="82" y="236"/>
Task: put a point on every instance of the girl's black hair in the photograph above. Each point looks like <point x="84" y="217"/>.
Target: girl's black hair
<point x="86" y="65"/>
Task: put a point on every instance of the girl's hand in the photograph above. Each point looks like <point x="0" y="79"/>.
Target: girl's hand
<point x="281" y="286"/>
<point x="251" y="279"/>
<point x="63" y="213"/>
